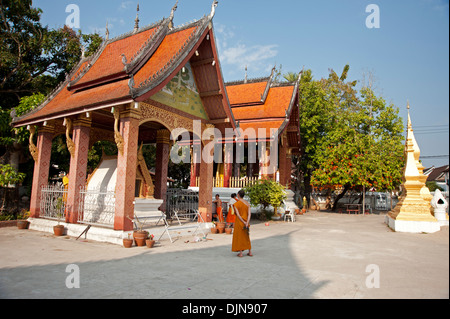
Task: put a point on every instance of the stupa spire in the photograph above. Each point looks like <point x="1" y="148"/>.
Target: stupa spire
<point x="413" y="212"/>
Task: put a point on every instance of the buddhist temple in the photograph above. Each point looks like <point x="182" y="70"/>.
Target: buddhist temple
<point x="140" y="87"/>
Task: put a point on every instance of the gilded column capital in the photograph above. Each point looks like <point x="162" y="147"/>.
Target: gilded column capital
<point x="47" y="128"/>
<point x="163" y="136"/>
<point x="130" y="111"/>
<point x="82" y="120"/>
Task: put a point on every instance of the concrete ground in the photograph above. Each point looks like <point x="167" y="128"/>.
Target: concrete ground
<point x="321" y="255"/>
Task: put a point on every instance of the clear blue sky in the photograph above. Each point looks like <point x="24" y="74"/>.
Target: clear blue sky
<point x="408" y="55"/>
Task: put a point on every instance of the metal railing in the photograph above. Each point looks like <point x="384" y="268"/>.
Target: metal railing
<point x="96" y="207"/>
<point x="181" y="202"/>
<point x="234" y="182"/>
<point x="53" y="202"/>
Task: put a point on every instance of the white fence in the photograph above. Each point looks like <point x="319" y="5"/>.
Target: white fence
<point x="95" y="207"/>
<point x="53" y="202"/>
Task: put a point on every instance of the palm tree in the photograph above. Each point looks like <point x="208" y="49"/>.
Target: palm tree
<point x="291" y="76"/>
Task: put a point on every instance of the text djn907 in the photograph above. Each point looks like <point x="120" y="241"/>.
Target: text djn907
<point x="246" y="308"/>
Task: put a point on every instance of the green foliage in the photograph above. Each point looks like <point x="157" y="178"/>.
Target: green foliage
<point x="432" y="186"/>
<point x="97" y="150"/>
<point x="266" y="193"/>
<point x="8" y="175"/>
<point x="19" y="135"/>
<point x="350" y="138"/>
<point x="33" y="60"/>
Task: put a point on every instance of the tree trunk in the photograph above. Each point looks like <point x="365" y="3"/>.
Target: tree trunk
<point x="339" y="197"/>
<point x="308" y="188"/>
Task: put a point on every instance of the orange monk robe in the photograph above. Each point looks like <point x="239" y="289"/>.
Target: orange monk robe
<point x="231" y="216"/>
<point x="219" y="212"/>
<point x="241" y="237"/>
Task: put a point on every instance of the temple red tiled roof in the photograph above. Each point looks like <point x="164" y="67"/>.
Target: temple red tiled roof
<point x="276" y="105"/>
<point x="110" y="60"/>
<point x="171" y="44"/>
<point x="261" y="104"/>
<point x="132" y="67"/>
<point x="246" y="93"/>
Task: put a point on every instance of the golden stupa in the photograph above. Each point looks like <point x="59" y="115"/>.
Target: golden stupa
<point x="413" y="213"/>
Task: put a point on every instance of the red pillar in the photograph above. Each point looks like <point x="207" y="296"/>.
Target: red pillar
<point x="282" y="161"/>
<point x="228" y="163"/>
<point x="162" y="164"/>
<point x="195" y="167"/>
<point x="41" y="168"/>
<point x="126" y="170"/>
<point x="288" y="168"/>
<point x="206" y="180"/>
<point x="78" y="167"/>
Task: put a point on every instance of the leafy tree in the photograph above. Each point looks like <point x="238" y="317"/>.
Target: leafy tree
<point x="33" y="60"/>
<point x="266" y="193"/>
<point x="8" y="176"/>
<point x="32" y="57"/>
<point x="350" y="139"/>
<point x="432" y="186"/>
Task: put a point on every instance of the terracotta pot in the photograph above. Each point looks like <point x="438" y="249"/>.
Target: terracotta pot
<point x="229" y="231"/>
<point x="127" y="243"/>
<point x="221" y="227"/>
<point x="58" y="230"/>
<point x="150" y="243"/>
<point x="140" y="237"/>
<point x="213" y="230"/>
<point x="23" y="224"/>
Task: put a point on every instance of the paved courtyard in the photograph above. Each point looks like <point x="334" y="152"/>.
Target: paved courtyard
<point x="321" y="255"/>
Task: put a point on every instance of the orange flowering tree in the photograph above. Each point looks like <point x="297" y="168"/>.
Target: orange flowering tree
<point x="359" y="143"/>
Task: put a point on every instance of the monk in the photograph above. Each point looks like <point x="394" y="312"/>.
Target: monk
<point x="241" y="236"/>
<point x="231" y="217"/>
<point x="219" y="212"/>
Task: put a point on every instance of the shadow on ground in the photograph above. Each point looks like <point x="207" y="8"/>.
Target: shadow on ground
<point x="209" y="272"/>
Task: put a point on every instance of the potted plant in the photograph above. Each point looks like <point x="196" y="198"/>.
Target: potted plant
<point x="128" y="242"/>
<point x="220" y="227"/>
<point x="58" y="230"/>
<point x="139" y="235"/>
<point x="150" y="242"/>
<point x="228" y="230"/>
<point x="22" y="222"/>
<point x="266" y="193"/>
<point x="214" y="228"/>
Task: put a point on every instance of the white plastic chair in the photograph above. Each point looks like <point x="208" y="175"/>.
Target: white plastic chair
<point x="289" y="214"/>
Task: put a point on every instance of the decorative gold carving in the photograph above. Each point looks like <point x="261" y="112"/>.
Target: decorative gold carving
<point x="170" y="120"/>
<point x="289" y="152"/>
<point x="33" y="149"/>
<point x="163" y="137"/>
<point x="117" y="136"/>
<point x="69" y="141"/>
<point x="145" y="173"/>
